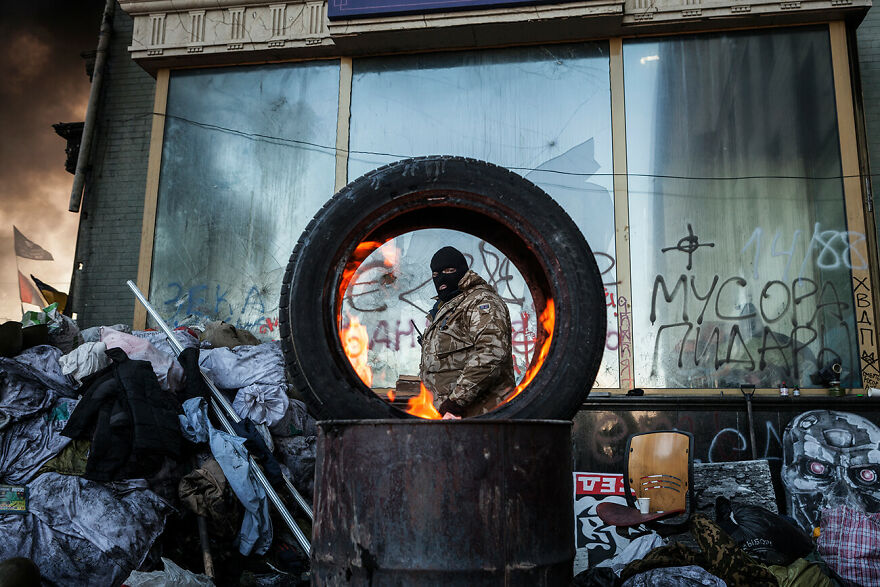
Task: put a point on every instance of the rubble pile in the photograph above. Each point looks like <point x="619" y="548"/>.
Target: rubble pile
<point x="112" y="471"/>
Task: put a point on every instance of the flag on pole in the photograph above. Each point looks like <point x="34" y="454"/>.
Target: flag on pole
<point x="50" y="294"/>
<point x="28" y="249"/>
<point x="29" y="293"/>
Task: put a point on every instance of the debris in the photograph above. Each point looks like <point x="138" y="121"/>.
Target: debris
<point x="88" y="358"/>
<point x="93" y="334"/>
<point x="130" y="421"/>
<point x="262" y="403"/>
<point x="296" y="421"/>
<point x="13" y="499"/>
<point x="297" y="453"/>
<point x="172" y="575"/>
<point x="223" y="334"/>
<point x="256" y="528"/>
<point x="168" y="371"/>
<point x="244" y="365"/>
<point x="81" y="532"/>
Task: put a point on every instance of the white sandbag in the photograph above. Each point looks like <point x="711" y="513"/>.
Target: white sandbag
<point x="263" y="403"/>
<point x="168" y="371"/>
<point x="172" y="575"/>
<point x="45" y="359"/>
<point x="244" y="365"/>
<point x="635" y="550"/>
<point x="88" y="358"/>
<point x="93" y="334"/>
<point x="296" y="421"/>
<point x="160" y="341"/>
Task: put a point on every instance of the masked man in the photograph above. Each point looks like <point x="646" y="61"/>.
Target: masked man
<point x="466" y="348"/>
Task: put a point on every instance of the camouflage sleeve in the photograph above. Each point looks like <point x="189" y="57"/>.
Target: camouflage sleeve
<point x="490" y="325"/>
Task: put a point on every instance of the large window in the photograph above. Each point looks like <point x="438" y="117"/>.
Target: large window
<point x="544" y="112"/>
<point x="740" y="249"/>
<point x="739" y="254"/>
<point x="247" y="160"/>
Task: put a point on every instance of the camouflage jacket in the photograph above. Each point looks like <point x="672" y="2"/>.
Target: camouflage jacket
<point x="466" y="349"/>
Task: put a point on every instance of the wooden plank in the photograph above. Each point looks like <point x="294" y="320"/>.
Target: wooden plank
<point x="621" y="219"/>
<point x="151" y="197"/>
<point x="865" y="319"/>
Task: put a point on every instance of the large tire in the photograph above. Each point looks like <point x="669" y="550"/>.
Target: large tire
<point x="470" y="196"/>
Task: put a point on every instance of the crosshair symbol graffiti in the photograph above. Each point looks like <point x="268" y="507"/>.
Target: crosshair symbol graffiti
<point x="688" y="244"/>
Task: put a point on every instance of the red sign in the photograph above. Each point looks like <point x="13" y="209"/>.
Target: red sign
<point x="598" y="484"/>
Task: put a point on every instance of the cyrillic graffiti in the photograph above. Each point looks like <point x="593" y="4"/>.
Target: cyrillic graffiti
<point x="865" y="326"/>
<point x="197" y="303"/>
<point x="786" y="343"/>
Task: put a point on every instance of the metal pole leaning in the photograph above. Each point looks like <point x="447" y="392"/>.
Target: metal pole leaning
<point x="222" y="409"/>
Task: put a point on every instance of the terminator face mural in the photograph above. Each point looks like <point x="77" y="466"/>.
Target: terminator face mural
<point x="831" y="459"/>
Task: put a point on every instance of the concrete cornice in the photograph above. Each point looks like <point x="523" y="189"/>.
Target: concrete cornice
<point x="171" y="33"/>
<point x="135" y="7"/>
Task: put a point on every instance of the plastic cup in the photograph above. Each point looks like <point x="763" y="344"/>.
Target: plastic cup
<point x="644" y="504"/>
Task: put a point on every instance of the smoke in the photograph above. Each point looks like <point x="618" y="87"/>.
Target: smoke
<point x="44" y="82"/>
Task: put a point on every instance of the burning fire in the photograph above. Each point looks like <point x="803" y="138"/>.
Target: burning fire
<point x="548" y="319"/>
<point x="361" y="252"/>
<point x="422" y="405"/>
<point x="391" y="255"/>
<point x="354" y="337"/>
<point x="356" y="342"/>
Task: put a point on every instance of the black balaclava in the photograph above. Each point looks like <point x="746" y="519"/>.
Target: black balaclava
<point x="443" y="259"/>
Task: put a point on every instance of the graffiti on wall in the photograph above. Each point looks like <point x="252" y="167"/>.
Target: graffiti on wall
<point x="822" y="458"/>
<point x="722" y="330"/>
<point x="392" y="291"/>
<point x="390" y="297"/>
<point x="831" y="459"/>
<point x="595" y="541"/>
<point x="722" y="435"/>
<point x="253" y="307"/>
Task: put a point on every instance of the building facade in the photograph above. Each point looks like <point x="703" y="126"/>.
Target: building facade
<point x="715" y="154"/>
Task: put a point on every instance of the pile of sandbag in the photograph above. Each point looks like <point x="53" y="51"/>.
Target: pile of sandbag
<point x="102" y="432"/>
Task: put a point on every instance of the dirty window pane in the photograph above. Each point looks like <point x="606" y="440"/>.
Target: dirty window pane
<point x="741" y="267"/>
<point x="241" y="177"/>
<point x="543" y="112"/>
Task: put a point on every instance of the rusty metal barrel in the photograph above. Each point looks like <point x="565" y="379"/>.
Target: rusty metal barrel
<point x="450" y="502"/>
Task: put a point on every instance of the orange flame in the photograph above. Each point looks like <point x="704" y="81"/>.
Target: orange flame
<point x="361" y="252"/>
<point x="391" y="255"/>
<point x="548" y="320"/>
<point x="355" y="343"/>
<point x="391" y="395"/>
<point x="423" y="405"/>
<point x="354" y="338"/>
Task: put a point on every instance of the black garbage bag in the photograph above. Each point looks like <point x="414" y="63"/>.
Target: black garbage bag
<point x="596" y="577"/>
<point x="765" y="536"/>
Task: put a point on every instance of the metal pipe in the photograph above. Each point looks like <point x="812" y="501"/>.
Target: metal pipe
<point x="222" y="408"/>
<point x="85" y="144"/>
<point x="270" y="491"/>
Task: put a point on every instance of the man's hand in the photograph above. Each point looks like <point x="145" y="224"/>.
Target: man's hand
<point x="450" y="407"/>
